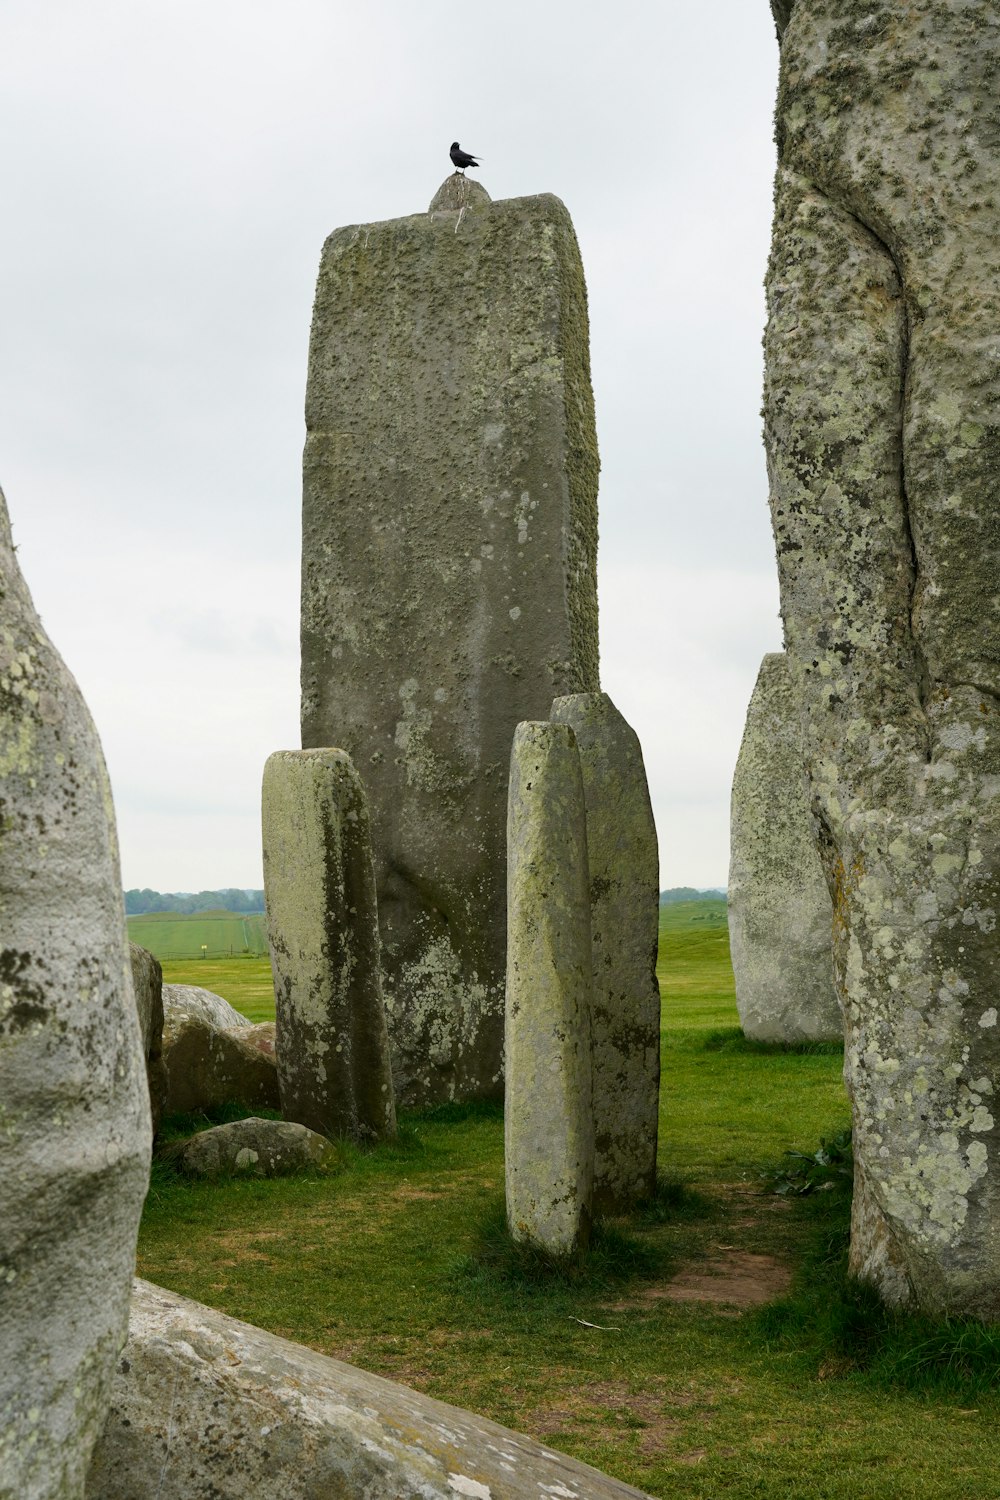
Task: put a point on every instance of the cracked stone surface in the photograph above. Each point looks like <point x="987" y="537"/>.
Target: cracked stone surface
<point x="322" y="922"/>
<point x="780" y="913"/>
<point x="448" y="576"/>
<point x="548" y="1118"/>
<point x="74" y="1102"/>
<point x="881" y="416"/>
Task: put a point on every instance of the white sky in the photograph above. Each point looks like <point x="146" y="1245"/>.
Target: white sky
<point x="170" y="171"/>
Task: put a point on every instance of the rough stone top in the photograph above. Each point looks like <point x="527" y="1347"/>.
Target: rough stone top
<point x="458" y="192"/>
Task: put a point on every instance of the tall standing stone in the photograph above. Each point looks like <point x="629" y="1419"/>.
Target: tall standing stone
<point x="74" y="1105"/>
<point x="448" y="575"/>
<point x="881" y="402"/>
<point x="548" y="1120"/>
<point x="780" y="913"/>
<point x="623" y="860"/>
<point x="319" y="885"/>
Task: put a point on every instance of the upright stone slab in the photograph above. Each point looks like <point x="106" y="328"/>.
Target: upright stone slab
<point x="548" y="1119"/>
<point x="780" y="913"/>
<point x="448" y="576"/>
<point x="624" y="924"/>
<point x="147" y="981"/>
<point x="74" y="1105"/>
<point x="881" y="402"/>
<point x="319" y="886"/>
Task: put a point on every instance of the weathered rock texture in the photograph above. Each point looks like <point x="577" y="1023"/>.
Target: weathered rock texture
<point x="254" y="1148"/>
<point x="74" y="1106"/>
<point x="548" y="1118"/>
<point x="322" y="918"/>
<point x="193" y="1000"/>
<point x="147" y="980"/>
<point x="208" y="1066"/>
<point x="624" y="868"/>
<point x="449" y="588"/>
<point x="881" y="412"/>
<point x="780" y="913"/>
<point x="207" y="1408"/>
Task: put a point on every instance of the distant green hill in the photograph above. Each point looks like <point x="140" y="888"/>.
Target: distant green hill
<point x="205" y="934"/>
<point x="690" y="893"/>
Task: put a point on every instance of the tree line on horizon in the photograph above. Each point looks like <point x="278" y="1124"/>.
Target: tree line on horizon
<point x="141" y="903"/>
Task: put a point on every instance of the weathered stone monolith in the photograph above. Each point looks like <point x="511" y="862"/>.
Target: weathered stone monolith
<point x="624" y="869"/>
<point x="208" y="1408"/>
<point x="74" y="1104"/>
<point x="548" y="1119"/>
<point x="147" y="981"/>
<point x="448" y="576"/>
<point x="322" y="919"/>
<point x="881" y="403"/>
<point x="780" y="913"/>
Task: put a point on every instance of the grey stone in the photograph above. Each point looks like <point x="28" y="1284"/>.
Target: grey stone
<point x="881" y="401"/>
<point x="208" y="1408"/>
<point x="333" y="1046"/>
<point x="147" y="980"/>
<point x="780" y="912"/>
<point x="255" y="1148"/>
<point x="624" y="868"/>
<point x="458" y="192"/>
<point x="193" y="1000"/>
<point x="74" y="1106"/>
<point x="449" y="577"/>
<point x="208" y="1066"/>
<point x="781" y="10"/>
<point x="548" y="1119"/>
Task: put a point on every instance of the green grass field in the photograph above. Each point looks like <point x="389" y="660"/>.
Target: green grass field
<point x="223" y="934"/>
<point x="397" y="1262"/>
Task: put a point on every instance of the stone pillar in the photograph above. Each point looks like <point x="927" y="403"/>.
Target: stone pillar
<point x="624" y="923"/>
<point x="448" y="576"/>
<point x="780" y="913"/>
<point x="548" y="1120"/>
<point x="319" y="884"/>
<point x="881" y="408"/>
<point x="147" y="981"/>
<point x="74" y="1105"/>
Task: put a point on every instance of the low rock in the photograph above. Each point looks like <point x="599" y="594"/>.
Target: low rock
<point x="255" y="1148"/>
<point x="147" y="980"/>
<point x="192" y="1000"/>
<point x="208" y="1408"/>
<point x="207" y="1066"/>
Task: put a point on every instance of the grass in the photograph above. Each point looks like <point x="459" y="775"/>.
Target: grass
<point x="244" y="982"/>
<point x="398" y="1262"/>
<point x="224" y="934"/>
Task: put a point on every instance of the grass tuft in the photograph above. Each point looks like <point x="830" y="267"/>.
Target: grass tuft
<point x="613" y="1256"/>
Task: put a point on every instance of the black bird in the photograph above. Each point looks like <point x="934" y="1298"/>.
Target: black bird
<point x="460" y="158"/>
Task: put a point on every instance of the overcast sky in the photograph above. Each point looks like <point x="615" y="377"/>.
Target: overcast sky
<point x="169" y="172"/>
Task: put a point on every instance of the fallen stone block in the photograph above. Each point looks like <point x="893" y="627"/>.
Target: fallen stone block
<point x="193" y="1000"/>
<point x="208" y="1408"/>
<point x="207" y="1067"/>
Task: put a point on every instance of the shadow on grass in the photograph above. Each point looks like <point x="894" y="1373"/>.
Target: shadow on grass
<point x="731" y="1039"/>
<point x="847" y="1332"/>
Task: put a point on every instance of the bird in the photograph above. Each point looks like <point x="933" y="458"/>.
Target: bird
<point x="460" y="158"/>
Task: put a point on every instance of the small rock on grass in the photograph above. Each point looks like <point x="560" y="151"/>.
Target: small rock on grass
<point x="256" y="1148"/>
